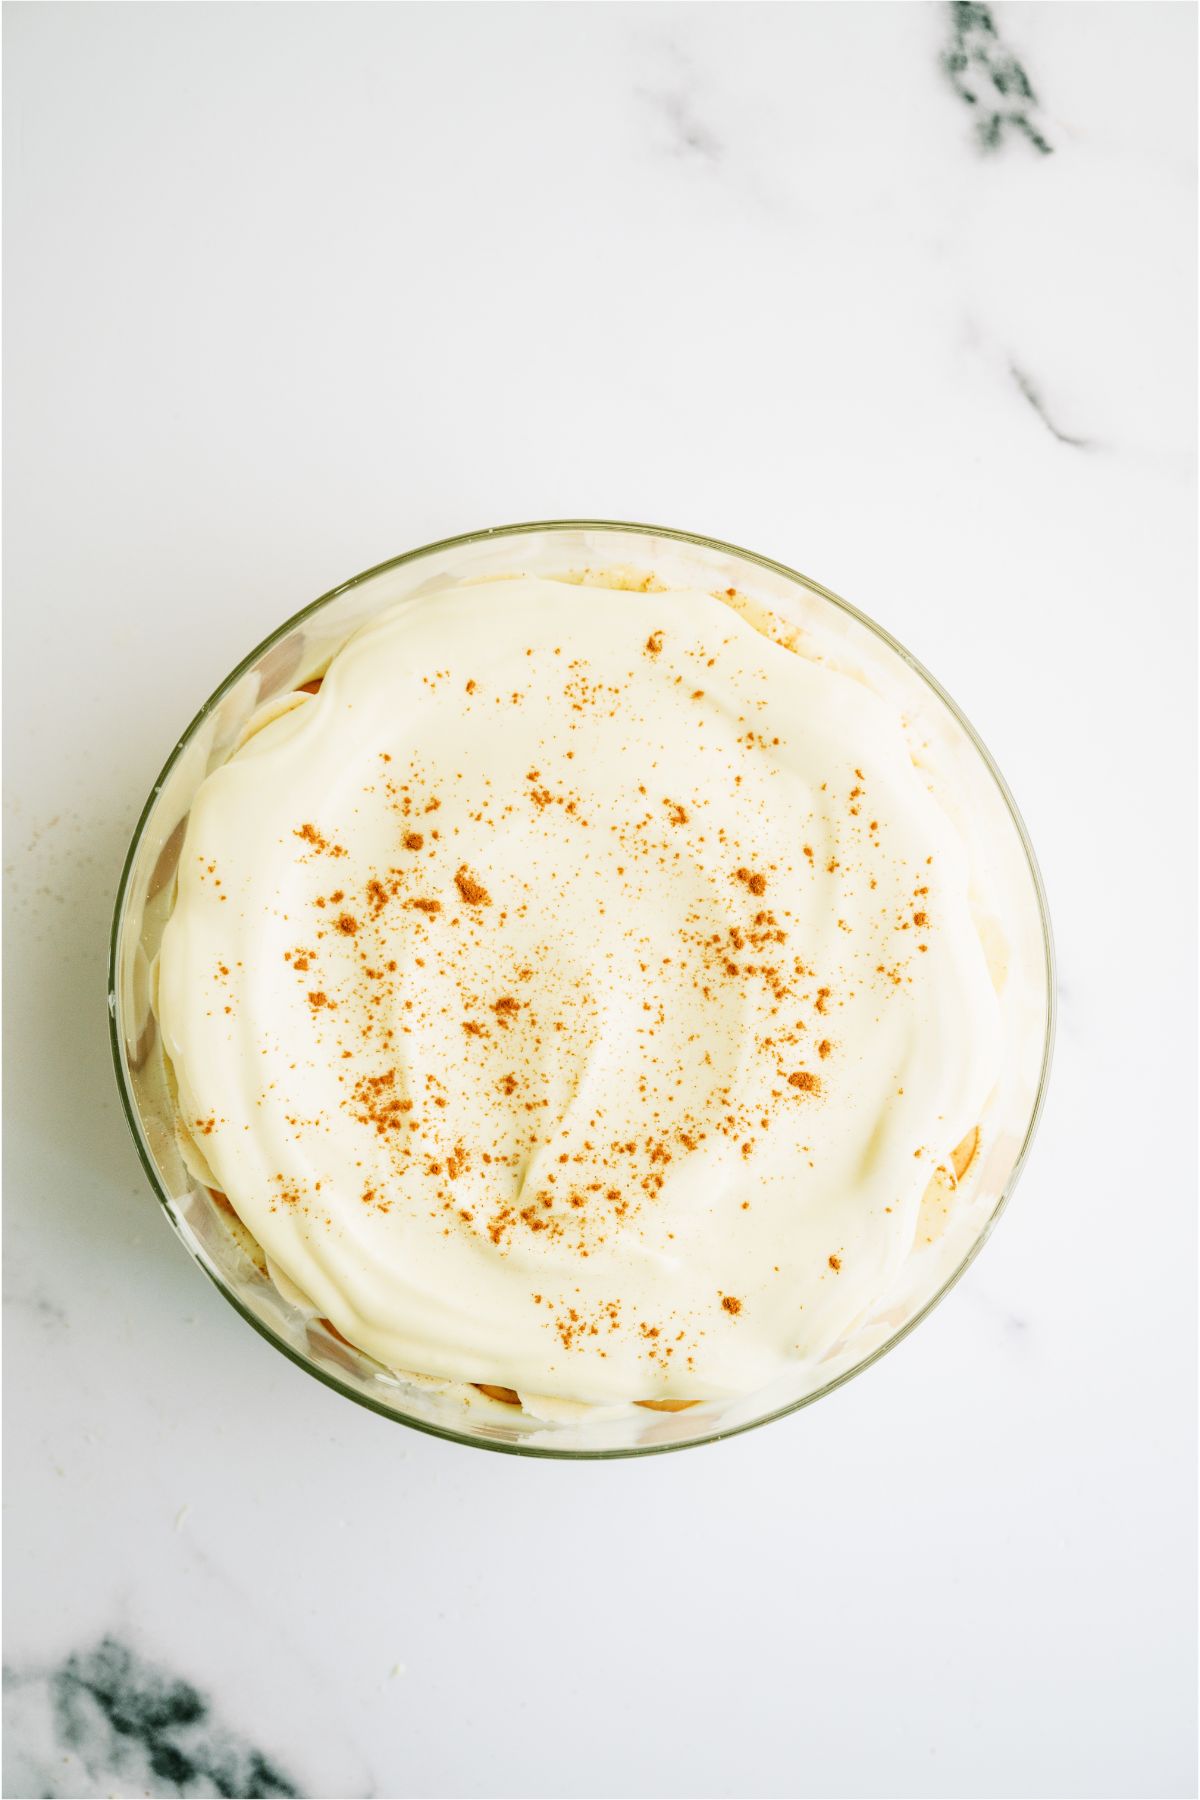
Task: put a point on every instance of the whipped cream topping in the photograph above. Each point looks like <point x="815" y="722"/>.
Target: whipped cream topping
<point x="578" y="993"/>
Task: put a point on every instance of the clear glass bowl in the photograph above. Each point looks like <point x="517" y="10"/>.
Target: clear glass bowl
<point x="1015" y="926"/>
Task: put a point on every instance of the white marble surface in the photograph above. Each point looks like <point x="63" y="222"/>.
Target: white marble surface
<point x="292" y="289"/>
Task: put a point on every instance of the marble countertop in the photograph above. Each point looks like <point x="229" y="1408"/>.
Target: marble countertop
<point x="901" y="295"/>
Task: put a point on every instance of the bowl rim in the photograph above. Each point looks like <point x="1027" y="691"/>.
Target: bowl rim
<point x="544" y="527"/>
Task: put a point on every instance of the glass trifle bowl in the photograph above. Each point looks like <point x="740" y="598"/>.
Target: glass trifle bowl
<point x="967" y="1184"/>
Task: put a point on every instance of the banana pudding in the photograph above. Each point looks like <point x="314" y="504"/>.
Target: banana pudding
<point x="579" y="994"/>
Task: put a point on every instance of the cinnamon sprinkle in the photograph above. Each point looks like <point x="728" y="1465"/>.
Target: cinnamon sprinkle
<point x="309" y="834"/>
<point x="472" y="891"/>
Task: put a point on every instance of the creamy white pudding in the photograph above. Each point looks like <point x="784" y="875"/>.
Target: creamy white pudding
<point x="578" y="994"/>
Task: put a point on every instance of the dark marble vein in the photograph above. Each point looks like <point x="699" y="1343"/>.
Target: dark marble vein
<point x="133" y="1726"/>
<point x="1029" y="391"/>
<point x="988" y="78"/>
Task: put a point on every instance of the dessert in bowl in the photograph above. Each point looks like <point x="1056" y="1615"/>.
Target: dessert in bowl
<point x="581" y="989"/>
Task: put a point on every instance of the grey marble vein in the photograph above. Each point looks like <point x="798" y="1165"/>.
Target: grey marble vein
<point x="673" y="101"/>
<point x="1029" y="392"/>
<point x="109" y="1718"/>
<point x="988" y="77"/>
<point x="1014" y="1324"/>
<point x="689" y="136"/>
<point x="49" y="1315"/>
